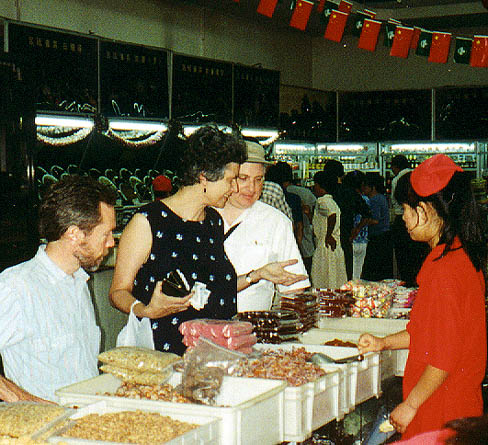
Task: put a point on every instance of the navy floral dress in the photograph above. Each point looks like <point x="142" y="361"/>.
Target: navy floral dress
<point x="196" y="248"/>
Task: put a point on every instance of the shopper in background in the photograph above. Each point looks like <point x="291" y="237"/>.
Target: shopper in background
<point x="378" y="264"/>
<point x="162" y="187"/>
<point x="278" y="173"/>
<point x="258" y="234"/>
<point x="355" y="180"/>
<point x="350" y="204"/>
<point x="185" y="232"/>
<point x="328" y="265"/>
<point x="307" y="246"/>
<point x="273" y="195"/>
<point x="446" y="335"/>
<point x="409" y="254"/>
<point x="48" y="334"/>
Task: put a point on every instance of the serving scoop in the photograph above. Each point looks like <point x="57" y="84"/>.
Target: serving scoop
<point x="319" y="358"/>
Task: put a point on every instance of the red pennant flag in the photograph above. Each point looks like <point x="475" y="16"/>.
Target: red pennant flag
<point x="267" y="7"/>
<point x="479" y="52"/>
<point x="345" y="6"/>
<point x="439" y="48"/>
<point x="415" y="38"/>
<point x="369" y="35"/>
<point x="335" y="27"/>
<point x="401" y="42"/>
<point x="301" y="14"/>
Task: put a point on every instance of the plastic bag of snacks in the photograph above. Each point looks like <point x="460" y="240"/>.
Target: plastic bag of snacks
<point x="142" y="378"/>
<point x="204" y="367"/>
<point x="138" y="359"/>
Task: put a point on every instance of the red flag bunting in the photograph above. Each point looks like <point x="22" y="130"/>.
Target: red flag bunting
<point x="401" y="42"/>
<point x="439" y="48"/>
<point x="320" y="6"/>
<point x="301" y="14"/>
<point x="369" y="35"/>
<point x="479" y="52"/>
<point x="335" y="27"/>
<point x="372" y="14"/>
<point x="415" y="38"/>
<point x="267" y="7"/>
<point x="345" y="6"/>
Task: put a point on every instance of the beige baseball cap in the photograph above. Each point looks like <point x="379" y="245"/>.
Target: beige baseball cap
<point x="255" y="153"/>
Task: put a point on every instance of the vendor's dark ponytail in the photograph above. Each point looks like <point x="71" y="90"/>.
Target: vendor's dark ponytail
<point x="460" y="212"/>
<point x="456" y="205"/>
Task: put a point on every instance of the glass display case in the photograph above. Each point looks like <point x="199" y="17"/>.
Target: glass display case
<point x="308" y="158"/>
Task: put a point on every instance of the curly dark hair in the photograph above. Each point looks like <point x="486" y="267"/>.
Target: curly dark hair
<point x="456" y="206"/>
<point x="208" y="151"/>
<point x="73" y="200"/>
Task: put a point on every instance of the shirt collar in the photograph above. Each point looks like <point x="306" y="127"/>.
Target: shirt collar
<point x="55" y="272"/>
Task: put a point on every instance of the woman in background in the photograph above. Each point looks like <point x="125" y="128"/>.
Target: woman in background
<point x="328" y="263"/>
<point x="378" y="264"/>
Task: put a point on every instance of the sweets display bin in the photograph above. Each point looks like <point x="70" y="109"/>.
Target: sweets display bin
<point x="353" y="383"/>
<point x="206" y="433"/>
<point x="251" y="411"/>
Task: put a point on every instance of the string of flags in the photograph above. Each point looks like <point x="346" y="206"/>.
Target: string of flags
<point x="400" y="38"/>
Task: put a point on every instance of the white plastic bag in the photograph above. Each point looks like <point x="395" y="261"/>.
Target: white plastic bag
<point x="135" y="332"/>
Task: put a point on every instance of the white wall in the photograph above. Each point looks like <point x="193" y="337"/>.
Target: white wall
<point x="304" y="61"/>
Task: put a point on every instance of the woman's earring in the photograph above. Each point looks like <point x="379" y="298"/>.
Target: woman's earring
<point x="204" y="189"/>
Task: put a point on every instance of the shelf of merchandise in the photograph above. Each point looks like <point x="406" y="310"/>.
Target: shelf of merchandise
<point x="308" y="158"/>
<point x="470" y="155"/>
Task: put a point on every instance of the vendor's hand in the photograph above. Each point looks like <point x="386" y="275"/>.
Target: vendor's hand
<point x="401" y="416"/>
<point x="370" y="343"/>
<point x="331" y="242"/>
<point x="162" y="305"/>
<point x="277" y="274"/>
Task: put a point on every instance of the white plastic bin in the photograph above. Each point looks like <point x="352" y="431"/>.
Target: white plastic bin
<point x="388" y="359"/>
<point x="312" y="405"/>
<point x="207" y="433"/>
<point x="251" y="411"/>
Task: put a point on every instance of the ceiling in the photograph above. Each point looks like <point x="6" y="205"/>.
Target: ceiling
<point x="434" y="15"/>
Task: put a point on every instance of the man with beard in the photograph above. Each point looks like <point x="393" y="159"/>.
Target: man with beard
<point x="48" y="334"/>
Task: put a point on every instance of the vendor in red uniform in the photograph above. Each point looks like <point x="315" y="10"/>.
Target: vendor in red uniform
<point x="446" y="334"/>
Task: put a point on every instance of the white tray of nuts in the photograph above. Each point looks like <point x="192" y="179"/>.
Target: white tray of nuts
<point x="101" y="423"/>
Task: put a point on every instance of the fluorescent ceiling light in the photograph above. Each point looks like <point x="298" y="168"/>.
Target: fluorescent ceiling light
<point x="285" y="148"/>
<point x="63" y="121"/>
<point x="128" y="125"/>
<point x="342" y="147"/>
<point x="265" y="136"/>
<point x="434" y="147"/>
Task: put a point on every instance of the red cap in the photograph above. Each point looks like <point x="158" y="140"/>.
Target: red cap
<point x="162" y="183"/>
<point x="432" y="175"/>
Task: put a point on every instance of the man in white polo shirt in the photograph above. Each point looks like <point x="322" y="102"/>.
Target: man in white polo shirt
<point x="48" y="334"/>
<point x="258" y="234"/>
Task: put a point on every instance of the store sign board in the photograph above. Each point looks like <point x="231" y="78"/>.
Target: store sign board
<point x="60" y="67"/>
<point x="256" y="96"/>
<point x="134" y="81"/>
<point x="202" y="90"/>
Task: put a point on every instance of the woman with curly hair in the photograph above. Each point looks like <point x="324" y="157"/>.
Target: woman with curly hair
<point x="184" y="232"/>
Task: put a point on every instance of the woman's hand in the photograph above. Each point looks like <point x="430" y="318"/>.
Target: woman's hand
<point x="277" y="274"/>
<point x="370" y="343"/>
<point x="331" y="242"/>
<point x="162" y="305"/>
<point x="401" y="416"/>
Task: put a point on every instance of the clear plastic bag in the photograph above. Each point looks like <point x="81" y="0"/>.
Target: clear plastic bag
<point x="204" y="367"/>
